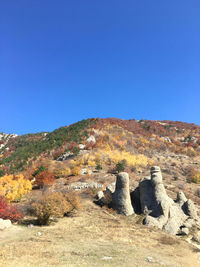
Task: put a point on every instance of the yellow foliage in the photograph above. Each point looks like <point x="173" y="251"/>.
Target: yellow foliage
<point x="65" y="172"/>
<point x="108" y="157"/>
<point x="144" y="141"/>
<point x="114" y="156"/>
<point x="76" y="170"/>
<point x="195" y="178"/>
<point x="13" y="188"/>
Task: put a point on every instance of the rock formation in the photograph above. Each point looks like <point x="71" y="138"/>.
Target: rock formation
<point x="121" y="200"/>
<point x="150" y="198"/>
<point x="160" y="210"/>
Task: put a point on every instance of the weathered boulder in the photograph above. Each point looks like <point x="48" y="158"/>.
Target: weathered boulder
<point x="111" y="187"/>
<point x="91" y="139"/>
<point x="196" y="236"/>
<point x="105" y="197"/>
<point x="191" y="209"/>
<point x="181" y="198"/>
<point x="5" y="224"/>
<point x="189" y="223"/>
<point x="121" y="200"/>
<point x="184" y="231"/>
<point x="175" y="219"/>
<point x="99" y="195"/>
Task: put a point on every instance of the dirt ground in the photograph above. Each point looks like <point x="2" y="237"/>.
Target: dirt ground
<point x="94" y="237"/>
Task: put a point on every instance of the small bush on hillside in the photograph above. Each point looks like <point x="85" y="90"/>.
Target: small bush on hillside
<point x="2" y="173"/>
<point x="120" y="166"/>
<point x="74" y="200"/>
<point x="98" y="166"/>
<point x="193" y="176"/>
<point x="44" y="178"/>
<point x="75" y="170"/>
<point x="50" y="205"/>
<point x="39" y="170"/>
<point x="8" y="212"/>
<point x="54" y="205"/>
<point x="76" y="151"/>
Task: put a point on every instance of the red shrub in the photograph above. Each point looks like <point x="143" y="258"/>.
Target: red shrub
<point x="9" y="212"/>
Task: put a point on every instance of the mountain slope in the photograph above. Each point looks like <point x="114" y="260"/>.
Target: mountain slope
<point x="144" y="137"/>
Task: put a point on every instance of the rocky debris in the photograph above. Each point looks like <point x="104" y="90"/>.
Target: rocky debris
<point x="5" y="224"/>
<point x="80" y="185"/>
<point x="38" y="234"/>
<point x="91" y="139"/>
<point x="85" y="171"/>
<point x="4" y="138"/>
<point x="7" y="137"/>
<point x="100" y="195"/>
<point x="150" y="259"/>
<point x="184" y="231"/>
<point x="105" y="197"/>
<point x="65" y="156"/>
<point x="81" y="146"/>
<point x="166" y="138"/>
<point x="111" y="187"/>
<point x="121" y="200"/>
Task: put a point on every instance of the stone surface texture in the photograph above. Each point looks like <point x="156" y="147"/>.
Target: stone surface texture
<point x="121" y="199"/>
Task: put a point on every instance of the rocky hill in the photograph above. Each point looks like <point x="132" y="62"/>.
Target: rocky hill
<point x="135" y="137"/>
<point x="83" y="149"/>
<point x="83" y="160"/>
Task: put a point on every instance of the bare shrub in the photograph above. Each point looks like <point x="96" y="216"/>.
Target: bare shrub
<point x="74" y="200"/>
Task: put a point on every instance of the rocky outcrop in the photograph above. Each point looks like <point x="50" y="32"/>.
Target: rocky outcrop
<point x="105" y="197"/>
<point x="91" y="139"/>
<point x="150" y="198"/>
<point x="121" y="200"/>
<point x="160" y="210"/>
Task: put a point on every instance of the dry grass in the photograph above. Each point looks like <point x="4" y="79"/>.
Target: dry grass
<point x="85" y="240"/>
<point x="168" y="240"/>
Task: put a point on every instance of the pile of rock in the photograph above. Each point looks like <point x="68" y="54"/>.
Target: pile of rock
<point x="150" y="198"/>
<point x="83" y="185"/>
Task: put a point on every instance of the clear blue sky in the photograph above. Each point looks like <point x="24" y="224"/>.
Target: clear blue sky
<point x="62" y="61"/>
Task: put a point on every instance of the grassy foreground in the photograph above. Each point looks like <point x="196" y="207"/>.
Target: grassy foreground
<point x="94" y="237"/>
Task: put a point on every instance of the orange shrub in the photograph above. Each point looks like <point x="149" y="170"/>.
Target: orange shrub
<point x="45" y="178"/>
